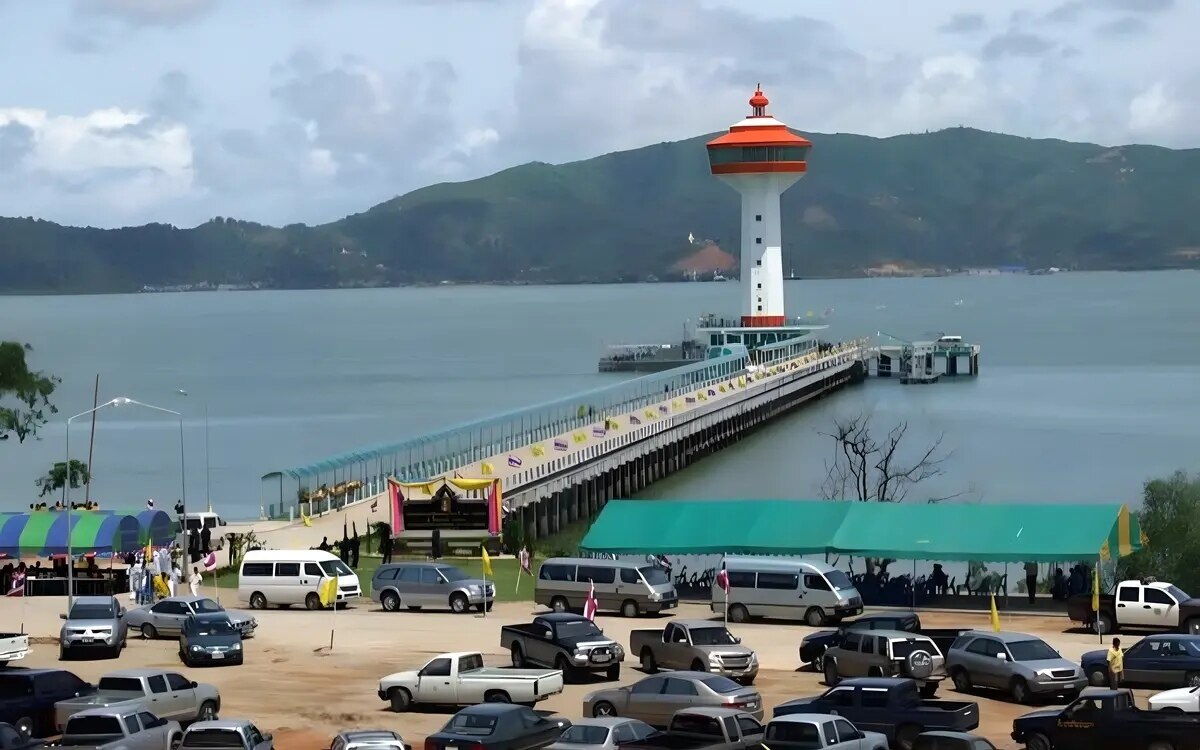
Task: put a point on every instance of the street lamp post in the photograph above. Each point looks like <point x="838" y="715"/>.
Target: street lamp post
<point x="207" y="470"/>
<point x="119" y="401"/>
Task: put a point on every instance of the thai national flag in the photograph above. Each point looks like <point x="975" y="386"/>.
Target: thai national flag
<point x="589" y="604"/>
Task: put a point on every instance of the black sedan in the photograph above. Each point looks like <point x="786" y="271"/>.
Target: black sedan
<point x="1169" y="660"/>
<point x="210" y="639"/>
<point x="497" y="726"/>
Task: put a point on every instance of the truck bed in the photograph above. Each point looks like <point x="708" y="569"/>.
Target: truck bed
<point x="670" y="741"/>
<point x="494" y="673"/>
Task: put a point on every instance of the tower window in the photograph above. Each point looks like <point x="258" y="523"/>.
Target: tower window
<point x="760" y="308"/>
<point x="758" y="286"/>
<point x="758" y="262"/>
<point x="758" y="217"/>
<point x="758" y="240"/>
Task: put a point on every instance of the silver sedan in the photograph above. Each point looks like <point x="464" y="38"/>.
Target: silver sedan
<point x="607" y="733"/>
<point x="166" y="617"/>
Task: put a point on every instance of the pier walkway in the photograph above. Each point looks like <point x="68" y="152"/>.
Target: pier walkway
<point x="561" y="461"/>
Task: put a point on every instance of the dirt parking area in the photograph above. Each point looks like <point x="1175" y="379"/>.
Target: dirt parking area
<point x="294" y="685"/>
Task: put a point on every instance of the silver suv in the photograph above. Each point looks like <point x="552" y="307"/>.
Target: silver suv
<point x="887" y="653"/>
<point x="93" y="623"/>
<point x="429" y="584"/>
<point x="1023" y="665"/>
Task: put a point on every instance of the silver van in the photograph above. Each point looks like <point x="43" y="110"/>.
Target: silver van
<point x="621" y="586"/>
<point x="428" y="584"/>
<point x="786" y="589"/>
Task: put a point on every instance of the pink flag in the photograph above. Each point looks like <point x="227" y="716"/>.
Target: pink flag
<point x="589" y="604"/>
<point x="210" y="562"/>
<point x="723" y="578"/>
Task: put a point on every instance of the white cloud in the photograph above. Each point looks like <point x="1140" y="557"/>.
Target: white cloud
<point x="1152" y="112"/>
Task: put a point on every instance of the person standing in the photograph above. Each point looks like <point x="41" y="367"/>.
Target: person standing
<point x="195" y="582"/>
<point x="355" y="544"/>
<point x="176" y="577"/>
<point x="1031" y="576"/>
<point x="1116" y="664"/>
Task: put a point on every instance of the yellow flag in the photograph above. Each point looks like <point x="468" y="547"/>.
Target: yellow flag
<point x="1096" y="589"/>
<point x="995" y="616"/>
<point x="487" y="563"/>
<point x="327" y="591"/>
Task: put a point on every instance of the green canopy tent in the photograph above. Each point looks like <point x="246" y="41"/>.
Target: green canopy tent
<point x="44" y="533"/>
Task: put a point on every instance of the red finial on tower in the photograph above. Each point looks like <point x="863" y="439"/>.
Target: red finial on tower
<point x="758" y="102"/>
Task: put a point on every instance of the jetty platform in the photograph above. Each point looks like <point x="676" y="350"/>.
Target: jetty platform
<point x="560" y="462"/>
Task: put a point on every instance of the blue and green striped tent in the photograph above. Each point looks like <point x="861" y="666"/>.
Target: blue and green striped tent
<point x="44" y="533"/>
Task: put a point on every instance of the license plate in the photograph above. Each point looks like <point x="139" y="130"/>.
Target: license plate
<point x="669" y="605"/>
<point x="86" y="639"/>
<point x="600" y="657"/>
<point x="218" y="655"/>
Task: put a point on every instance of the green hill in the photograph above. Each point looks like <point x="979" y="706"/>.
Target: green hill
<point x="953" y="198"/>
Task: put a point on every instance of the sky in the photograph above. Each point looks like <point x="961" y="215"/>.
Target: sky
<point x="117" y="112"/>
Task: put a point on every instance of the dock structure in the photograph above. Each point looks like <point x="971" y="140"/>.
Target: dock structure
<point x="559" y="462"/>
<point x="924" y="361"/>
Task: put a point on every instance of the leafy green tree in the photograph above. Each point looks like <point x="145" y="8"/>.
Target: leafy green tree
<point x="24" y="393"/>
<point x="1170" y="519"/>
<point x="56" y="478"/>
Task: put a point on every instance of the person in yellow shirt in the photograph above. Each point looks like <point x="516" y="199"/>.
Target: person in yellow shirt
<point x="1116" y="664"/>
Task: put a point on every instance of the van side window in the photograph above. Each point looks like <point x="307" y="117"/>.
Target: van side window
<point x="629" y="575"/>
<point x="287" y="570"/>
<point x="312" y="569"/>
<point x="256" y="569"/>
<point x="814" y="582"/>
<point x="781" y="581"/>
<point x="597" y="574"/>
<point x="740" y="579"/>
<point x="556" y="572"/>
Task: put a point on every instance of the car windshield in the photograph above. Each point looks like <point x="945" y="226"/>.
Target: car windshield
<point x="1031" y="650"/>
<point x="654" y="576"/>
<point x="213" y="627"/>
<point x="722" y="685"/>
<point x="711" y="637"/>
<point x="577" y="629"/>
<point x="213" y="738"/>
<point x="903" y="649"/>
<point x="92" y="612"/>
<point x="335" y="568"/>
<point x="204" y="606"/>
<point x="839" y="580"/>
<point x="1179" y="594"/>
<point x="584" y="735"/>
<point x="120" y="685"/>
<point x="472" y="724"/>
<point x="453" y="574"/>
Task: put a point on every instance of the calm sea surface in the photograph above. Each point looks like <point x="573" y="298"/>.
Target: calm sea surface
<point x="1090" y="382"/>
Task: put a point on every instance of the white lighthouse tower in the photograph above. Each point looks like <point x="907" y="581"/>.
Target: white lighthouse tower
<point x="760" y="158"/>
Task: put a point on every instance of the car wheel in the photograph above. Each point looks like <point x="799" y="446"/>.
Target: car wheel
<point x="174" y="741"/>
<point x="1037" y="741"/>
<point x="148" y="632"/>
<point x="629" y="608"/>
<point x="389" y="601"/>
<point x="649" y="665"/>
<point x="738" y="613"/>
<point x="518" y="656"/>
<point x="929" y="689"/>
<point x="831" y="673"/>
<point x="258" y="601"/>
<point x="313" y="602"/>
<point x="63" y="654"/>
<point x="818" y="662"/>
<point x="496" y="696"/>
<point x="906" y="736"/>
<point x="1019" y="690"/>
<point x="1104" y="623"/>
<point x="814" y="617"/>
<point x="698" y="666"/>
<point x="962" y="680"/>
<point x="747" y="681"/>
<point x="24" y="725"/>
<point x="602" y="709"/>
<point x="558" y="604"/>
<point x="1098" y="678"/>
<point x="1192" y="679"/>
<point x="458" y="604"/>
<point x="613" y="672"/>
<point x="207" y="712"/>
<point x="564" y="666"/>
<point x="401" y="699"/>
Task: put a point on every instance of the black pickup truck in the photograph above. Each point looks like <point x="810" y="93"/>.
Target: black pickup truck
<point x="27" y="697"/>
<point x="1106" y="720"/>
<point x="707" y="728"/>
<point x="814" y="645"/>
<point x="891" y="706"/>
<point x="565" y="641"/>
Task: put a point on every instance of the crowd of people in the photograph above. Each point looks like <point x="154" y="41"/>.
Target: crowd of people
<point x="58" y="506"/>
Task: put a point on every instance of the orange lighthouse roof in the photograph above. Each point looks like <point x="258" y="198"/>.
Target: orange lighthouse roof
<point x="759" y="144"/>
<point x="759" y="129"/>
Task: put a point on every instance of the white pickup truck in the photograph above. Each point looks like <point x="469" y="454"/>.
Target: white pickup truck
<point x="13" y="646"/>
<point x="461" y="679"/>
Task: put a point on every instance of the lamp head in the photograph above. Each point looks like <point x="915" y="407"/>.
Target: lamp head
<point x="122" y="401"/>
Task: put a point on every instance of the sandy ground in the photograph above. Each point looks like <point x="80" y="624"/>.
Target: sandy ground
<point x="292" y="684"/>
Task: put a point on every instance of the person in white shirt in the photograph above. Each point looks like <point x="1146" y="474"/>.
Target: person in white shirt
<point x="176" y="576"/>
<point x="195" y="581"/>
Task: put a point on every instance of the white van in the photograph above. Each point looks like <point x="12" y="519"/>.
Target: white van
<point x="786" y="589"/>
<point x="281" y="578"/>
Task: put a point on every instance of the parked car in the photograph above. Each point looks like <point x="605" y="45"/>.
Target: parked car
<point x="1023" y="665"/>
<point x="1170" y="660"/>
<point x="951" y="741"/>
<point x="460" y="679"/>
<point x="605" y="733"/>
<point x="889" y="705"/>
<point x="119" y="729"/>
<point x="229" y="734"/>
<point x="787" y="589"/>
<point x="166" y="617"/>
<point x="696" y="645"/>
<point x="819" y="732"/>
<point x="168" y="695"/>
<point x="568" y="642"/>
<point x="1183" y="700"/>
<point x="27" y="698"/>
<point x="13" y="739"/>
<point x="706" y="729"/>
<point x="210" y="639"/>
<point x="655" y="699"/>
<point x="495" y="726"/>
<point x="1146" y="603"/>
<point x="814" y="645"/>
<point x="369" y="739"/>
<point x="887" y="653"/>
<point x="429" y="584"/>
<point x="1105" y="720"/>
<point x="13" y="646"/>
<point x="630" y="588"/>
<point x="93" y="623"/>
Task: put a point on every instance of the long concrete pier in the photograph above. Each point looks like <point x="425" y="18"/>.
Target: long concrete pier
<point x="559" y="463"/>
